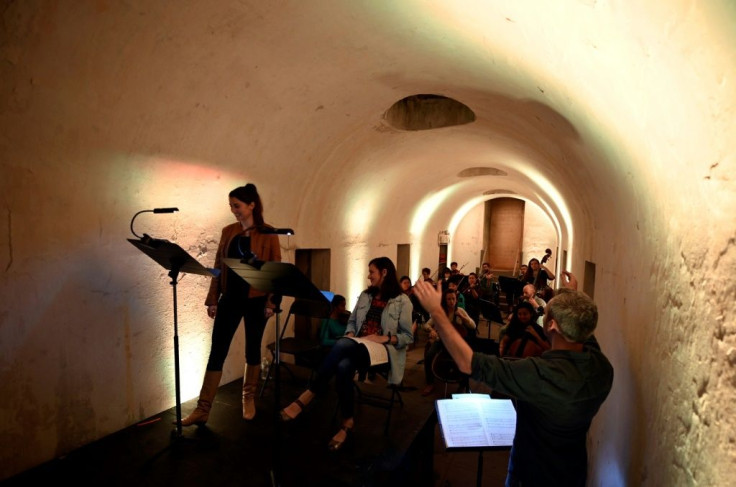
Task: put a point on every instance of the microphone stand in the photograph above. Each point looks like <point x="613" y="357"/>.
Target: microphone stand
<point x="172" y="257"/>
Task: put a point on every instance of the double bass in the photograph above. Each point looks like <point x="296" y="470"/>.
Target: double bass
<point x="544" y="291"/>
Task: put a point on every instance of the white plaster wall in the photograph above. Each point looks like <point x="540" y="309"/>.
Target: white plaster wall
<point x="466" y="244"/>
<point x="539" y="235"/>
<point x="615" y="118"/>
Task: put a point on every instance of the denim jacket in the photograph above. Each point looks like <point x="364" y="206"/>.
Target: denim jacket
<point x="396" y="318"/>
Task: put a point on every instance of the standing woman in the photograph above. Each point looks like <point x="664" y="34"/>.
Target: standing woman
<point x="231" y="299"/>
<point x="383" y="315"/>
<point x="539" y="275"/>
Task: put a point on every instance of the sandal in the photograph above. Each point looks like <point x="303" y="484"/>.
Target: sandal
<point x="334" y="444"/>
<point x="285" y="417"/>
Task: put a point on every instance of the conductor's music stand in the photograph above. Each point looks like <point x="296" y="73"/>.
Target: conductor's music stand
<point x="282" y="279"/>
<point x="175" y="259"/>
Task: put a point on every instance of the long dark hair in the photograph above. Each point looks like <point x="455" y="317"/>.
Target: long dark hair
<point x="516" y="327"/>
<point x="444" y="301"/>
<point x="538" y="281"/>
<point x="249" y="194"/>
<point x="390" y="287"/>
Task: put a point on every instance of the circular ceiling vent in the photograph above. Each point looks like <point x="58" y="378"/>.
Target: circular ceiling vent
<point x="472" y="172"/>
<point x="425" y="112"/>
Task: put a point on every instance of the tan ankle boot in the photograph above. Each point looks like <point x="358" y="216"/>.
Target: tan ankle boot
<point x="250" y="384"/>
<point x="201" y="413"/>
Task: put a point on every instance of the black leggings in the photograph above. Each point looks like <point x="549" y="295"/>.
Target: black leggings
<point x="344" y="359"/>
<point x="229" y="313"/>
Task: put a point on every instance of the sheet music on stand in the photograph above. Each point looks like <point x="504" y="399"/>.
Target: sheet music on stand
<point x="475" y="421"/>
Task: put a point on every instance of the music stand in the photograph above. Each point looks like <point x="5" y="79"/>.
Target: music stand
<point x="512" y="288"/>
<point x="282" y="279"/>
<point x="491" y="313"/>
<point x="175" y="259"/>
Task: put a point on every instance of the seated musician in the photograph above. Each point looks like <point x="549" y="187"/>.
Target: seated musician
<point x="463" y="324"/>
<point x="522" y="337"/>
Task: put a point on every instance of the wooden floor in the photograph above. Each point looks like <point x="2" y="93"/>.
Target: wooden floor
<point x="266" y="452"/>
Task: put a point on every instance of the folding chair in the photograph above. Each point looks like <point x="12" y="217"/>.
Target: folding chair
<point x="303" y="346"/>
<point x="376" y="400"/>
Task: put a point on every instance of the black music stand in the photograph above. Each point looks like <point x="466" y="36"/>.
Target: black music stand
<point x="282" y="279"/>
<point x="491" y="313"/>
<point x="175" y="259"/>
<point x="512" y="288"/>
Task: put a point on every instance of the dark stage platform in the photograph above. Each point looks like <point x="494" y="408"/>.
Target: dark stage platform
<point x="231" y="451"/>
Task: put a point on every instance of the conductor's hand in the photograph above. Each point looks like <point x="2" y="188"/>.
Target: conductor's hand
<point x="569" y="280"/>
<point x="212" y="310"/>
<point x="429" y="296"/>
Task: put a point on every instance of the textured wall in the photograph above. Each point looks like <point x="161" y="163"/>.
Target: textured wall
<point x="615" y="119"/>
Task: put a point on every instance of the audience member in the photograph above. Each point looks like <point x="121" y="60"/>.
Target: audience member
<point x="556" y="395"/>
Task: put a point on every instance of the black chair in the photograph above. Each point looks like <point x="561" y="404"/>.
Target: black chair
<point x="445" y="370"/>
<point x="385" y="401"/>
<point x="305" y="348"/>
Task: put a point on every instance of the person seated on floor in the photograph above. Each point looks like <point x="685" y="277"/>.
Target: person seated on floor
<point x="556" y="395"/>
<point x="522" y="337"/>
<point x="333" y="327"/>
<point x="382" y="315"/>
<point x="460" y="320"/>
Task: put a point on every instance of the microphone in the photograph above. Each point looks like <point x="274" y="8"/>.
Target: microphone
<point x="276" y="231"/>
<point x="147" y="238"/>
<point x="252" y="260"/>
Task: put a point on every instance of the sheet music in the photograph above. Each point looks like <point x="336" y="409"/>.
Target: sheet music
<point x="376" y="351"/>
<point x="476" y="421"/>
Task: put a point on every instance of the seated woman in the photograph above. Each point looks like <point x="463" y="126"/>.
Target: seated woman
<point x="522" y="337"/>
<point x="463" y="324"/>
<point x="382" y="315"/>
